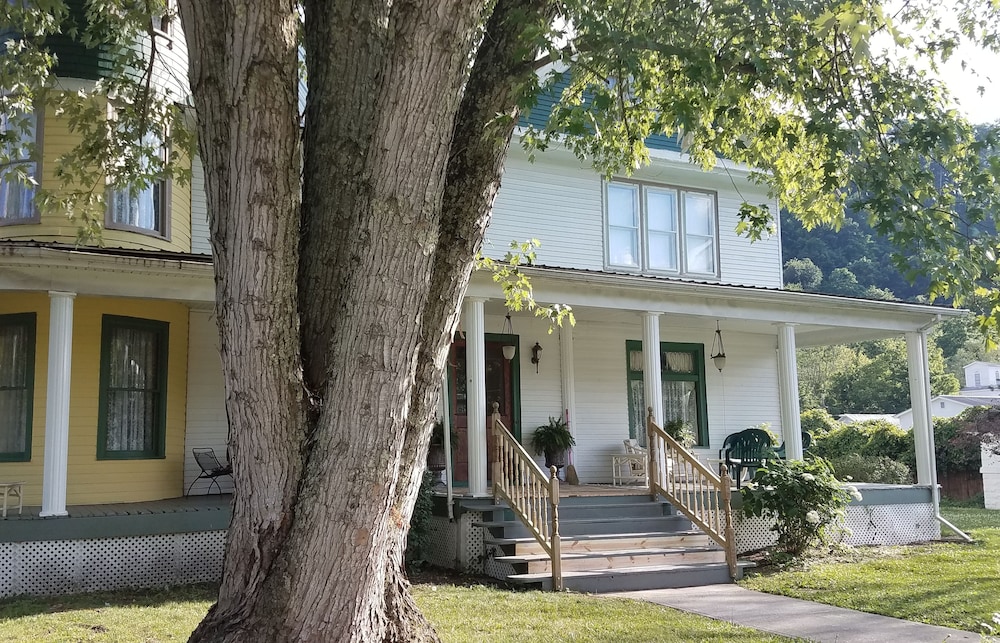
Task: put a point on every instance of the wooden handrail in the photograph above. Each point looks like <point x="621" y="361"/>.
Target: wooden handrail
<point x="530" y="493"/>
<point x="705" y="498"/>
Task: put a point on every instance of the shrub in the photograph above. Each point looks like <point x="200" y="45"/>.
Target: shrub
<point x="955" y="447"/>
<point x="818" y="422"/>
<point x="866" y="468"/>
<point x="419" y="536"/>
<point x="803" y="497"/>
<point x="873" y="438"/>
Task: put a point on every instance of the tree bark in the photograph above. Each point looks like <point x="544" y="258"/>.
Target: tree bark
<point x="336" y="313"/>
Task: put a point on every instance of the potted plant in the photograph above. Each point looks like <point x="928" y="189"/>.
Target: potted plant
<point x="553" y="440"/>
<point x="681" y="431"/>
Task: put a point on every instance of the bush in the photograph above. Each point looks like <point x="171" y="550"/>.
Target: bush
<point x="818" y="422"/>
<point x="803" y="497"/>
<point x="874" y="438"/>
<point x="419" y="536"/>
<point x="953" y="448"/>
<point x="862" y="468"/>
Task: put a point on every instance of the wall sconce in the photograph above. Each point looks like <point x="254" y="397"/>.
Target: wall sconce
<point x="508" y="329"/>
<point x="718" y="350"/>
<point x="535" y="357"/>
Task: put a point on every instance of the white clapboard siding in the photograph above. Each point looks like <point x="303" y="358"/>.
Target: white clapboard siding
<point x="558" y="201"/>
<point x="200" y="243"/>
<point x="206" y="395"/>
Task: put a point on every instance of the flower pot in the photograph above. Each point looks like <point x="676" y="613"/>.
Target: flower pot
<point x="555" y="459"/>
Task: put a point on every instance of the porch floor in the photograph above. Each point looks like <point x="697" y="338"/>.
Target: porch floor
<point x="213" y="502"/>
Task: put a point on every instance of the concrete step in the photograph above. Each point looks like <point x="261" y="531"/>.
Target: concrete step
<point x="592" y="561"/>
<point x="607" y="542"/>
<point x="636" y="578"/>
<point x="591" y="526"/>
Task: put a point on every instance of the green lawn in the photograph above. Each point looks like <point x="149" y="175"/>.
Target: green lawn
<point x="460" y="614"/>
<point x="951" y="584"/>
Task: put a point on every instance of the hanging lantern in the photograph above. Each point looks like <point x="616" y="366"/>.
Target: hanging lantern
<point x="718" y="349"/>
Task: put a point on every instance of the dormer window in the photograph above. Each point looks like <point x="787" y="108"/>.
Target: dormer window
<point x="18" y="168"/>
<point x="661" y="229"/>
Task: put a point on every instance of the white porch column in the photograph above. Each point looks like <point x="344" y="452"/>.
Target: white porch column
<point x="652" y="383"/>
<point x="920" y="400"/>
<point x="567" y="372"/>
<point x="57" y="404"/>
<point x="475" y="369"/>
<point x="788" y="392"/>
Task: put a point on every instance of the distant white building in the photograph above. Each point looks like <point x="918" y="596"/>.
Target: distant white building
<point x="982" y="378"/>
<point x="948" y="406"/>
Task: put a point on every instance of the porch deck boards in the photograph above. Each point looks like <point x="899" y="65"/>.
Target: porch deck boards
<point x="165" y="506"/>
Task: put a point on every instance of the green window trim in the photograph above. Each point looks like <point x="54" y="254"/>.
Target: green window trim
<point x="27" y="321"/>
<point x="634" y="386"/>
<point x="155" y="446"/>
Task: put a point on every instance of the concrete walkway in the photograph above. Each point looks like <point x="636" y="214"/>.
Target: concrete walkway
<point x="796" y="618"/>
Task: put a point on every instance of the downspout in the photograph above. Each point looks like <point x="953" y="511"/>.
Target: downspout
<point x="935" y="489"/>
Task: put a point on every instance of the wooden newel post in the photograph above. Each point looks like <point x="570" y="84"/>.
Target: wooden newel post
<point x="652" y="472"/>
<point x="555" y="543"/>
<point x="727" y="507"/>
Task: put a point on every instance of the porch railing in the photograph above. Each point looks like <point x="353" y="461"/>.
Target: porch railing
<point x="677" y="475"/>
<point x="531" y="494"/>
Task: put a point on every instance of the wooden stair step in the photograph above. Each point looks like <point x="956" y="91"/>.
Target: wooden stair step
<point x="610" y="542"/>
<point x="592" y="561"/>
<point x="635" y="578"/>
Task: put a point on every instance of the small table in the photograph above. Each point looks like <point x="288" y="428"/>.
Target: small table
<point x="12" y="489"/>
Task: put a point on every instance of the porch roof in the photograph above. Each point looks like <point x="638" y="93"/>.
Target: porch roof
<point x="820" y="319"/>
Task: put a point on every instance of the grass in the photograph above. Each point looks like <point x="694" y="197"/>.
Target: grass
<point x="952" y="584"/>
<point x="460" y="614"/>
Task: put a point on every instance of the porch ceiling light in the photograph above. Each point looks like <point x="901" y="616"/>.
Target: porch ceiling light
<point x="508" y="329"/>
<point x="718" y="349"/>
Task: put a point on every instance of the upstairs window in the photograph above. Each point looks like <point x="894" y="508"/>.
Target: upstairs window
<point x="133" y="394"/>
<point x="18" y="168"/>
<point x="17" y="379"/>
<point x="661" y="229"/>
<point x="143" y="206"/>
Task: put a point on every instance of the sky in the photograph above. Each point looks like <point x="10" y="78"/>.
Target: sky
<point x="963" y="84"/>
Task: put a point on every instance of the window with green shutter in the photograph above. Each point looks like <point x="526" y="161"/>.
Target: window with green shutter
<point x="682" y="371"/>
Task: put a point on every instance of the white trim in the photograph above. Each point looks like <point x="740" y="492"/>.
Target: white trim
<point x="568" y="376"/>
<point x="919" y="378"/>
<point x="788" y="392"/>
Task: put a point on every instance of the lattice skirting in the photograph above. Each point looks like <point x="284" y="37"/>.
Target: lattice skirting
<point x="69" y="566"/>
<point x="866" y="525"/>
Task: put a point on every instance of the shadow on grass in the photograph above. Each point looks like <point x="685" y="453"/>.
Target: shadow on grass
<point x="20" y="606"/>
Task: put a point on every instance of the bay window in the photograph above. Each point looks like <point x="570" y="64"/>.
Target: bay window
<point x="18" y="168"/>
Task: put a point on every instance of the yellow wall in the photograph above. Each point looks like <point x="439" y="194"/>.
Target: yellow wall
<point x="57" y="140"/>
<point x="89" y="480"/>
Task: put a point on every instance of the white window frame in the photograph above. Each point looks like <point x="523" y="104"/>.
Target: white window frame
<point x="31" y="157"/>
<point x="681" y="234"/>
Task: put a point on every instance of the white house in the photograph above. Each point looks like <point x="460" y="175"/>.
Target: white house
<point x="982" y="378"/>
<point x="948" y="406"/>
<point x="650" y="264"/>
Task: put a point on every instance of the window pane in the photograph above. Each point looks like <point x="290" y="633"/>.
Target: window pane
<point x="141" y="206"/>
<point x="701" y="254"/>
<point x="662" y="210"/>
<point x="662" y="250"/>
<point x="636" y="401"/>
<point x="622" y="210"/>
<point x="623" y="246"/>
<point x="676" y="362"/>
<point x="635" y="361"/>
<point x="17" y="169"/>
<point x="699" y="215"/>
<point x="133" y="389"/>
<point x="16" y="350"/>
<point x="680" y="402"/>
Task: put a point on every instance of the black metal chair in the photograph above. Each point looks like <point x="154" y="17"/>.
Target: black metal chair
<point x="749" y="449"/>
<point x="211" y="468"/>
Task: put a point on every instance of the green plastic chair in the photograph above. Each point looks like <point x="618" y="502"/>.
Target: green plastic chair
<point x="747" y="450"/>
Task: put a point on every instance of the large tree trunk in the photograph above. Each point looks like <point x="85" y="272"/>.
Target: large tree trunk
<point x="330" y="416"/>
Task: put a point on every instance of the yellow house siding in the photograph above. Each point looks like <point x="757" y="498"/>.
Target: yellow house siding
<point x="57" y="140"/>
<point x="31" y="472"/>
<point x="93" y="481"/>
